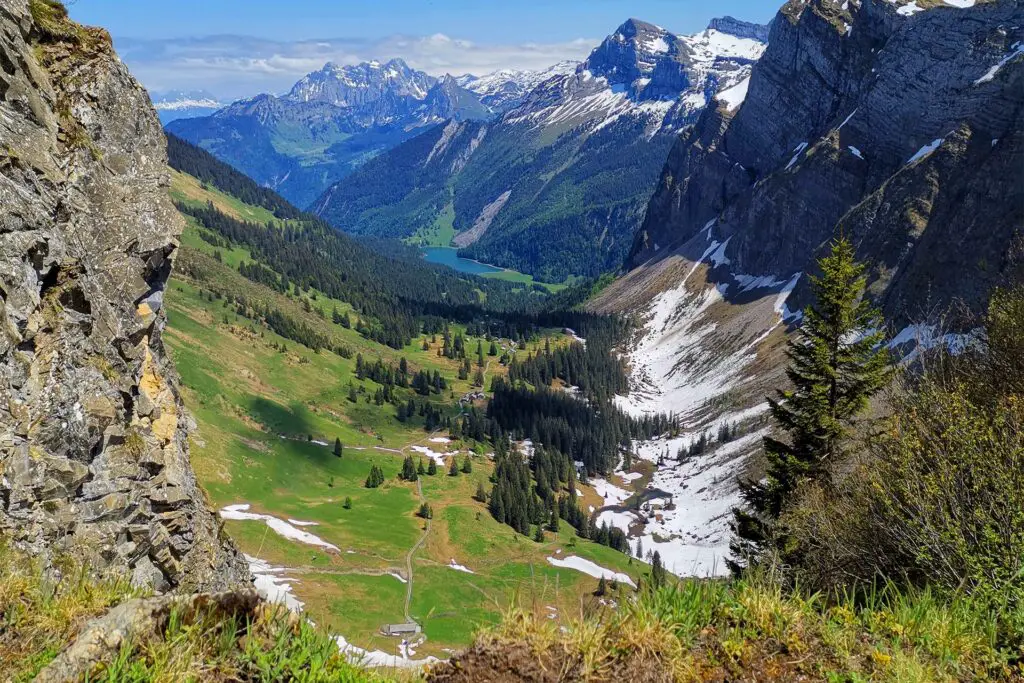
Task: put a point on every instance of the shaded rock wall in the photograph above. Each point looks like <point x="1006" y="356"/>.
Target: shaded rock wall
<point x="94" y="457"/>
<point x="827" y="141"/>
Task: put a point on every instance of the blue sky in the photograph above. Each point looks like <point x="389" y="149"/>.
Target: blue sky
<point x="236" y="48"/>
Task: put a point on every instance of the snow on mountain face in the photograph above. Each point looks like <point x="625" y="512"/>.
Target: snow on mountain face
<point x="646" y="71"/>
<point x="362" y="84"/>
<point x="505" y="89"/>
<point x="182" y="104"/>
<point x="181" y="99"/>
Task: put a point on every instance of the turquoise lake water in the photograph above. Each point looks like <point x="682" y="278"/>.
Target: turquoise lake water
<point x="447" y="256"/>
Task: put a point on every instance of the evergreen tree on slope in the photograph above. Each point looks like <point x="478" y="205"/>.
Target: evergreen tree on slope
<point x="837" y="362"/>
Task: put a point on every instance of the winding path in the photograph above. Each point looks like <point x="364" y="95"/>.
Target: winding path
<point x="412" y="551"/>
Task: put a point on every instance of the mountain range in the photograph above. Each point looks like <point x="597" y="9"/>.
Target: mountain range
<point x="329" y="123"/>
<point x="558" y="183"/>
<point x="183" y="104"/>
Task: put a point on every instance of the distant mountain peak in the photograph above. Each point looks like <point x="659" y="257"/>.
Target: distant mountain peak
<point x="632" y="52"/>
<point x="356" y="85"/>
<point x="740" y="28"/>
<point x="633" y="26"/>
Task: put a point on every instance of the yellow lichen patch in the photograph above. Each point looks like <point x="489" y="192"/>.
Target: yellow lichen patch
<point x="154" y="387"/>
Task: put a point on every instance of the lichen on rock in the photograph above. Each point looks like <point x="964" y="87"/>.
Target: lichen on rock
<point x="94" y="455"/>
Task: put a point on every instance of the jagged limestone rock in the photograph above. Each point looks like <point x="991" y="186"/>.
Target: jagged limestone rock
<point x="94" y="457"/>
<point x="836" y="134"/>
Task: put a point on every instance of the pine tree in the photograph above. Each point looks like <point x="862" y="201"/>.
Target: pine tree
<point x="338" y="448"/>
<point x="837" y="363"/>
<point x="348" y="503"/>
<point x="602" y="587"/>
<point x="408" y="469"/>
<point x="425" y="512"/>
<point x="376" y="477"/>
<point x="538" y="535"/>
<point x="657" y="571"/>
<point x="453" y="470"/>
<point x="467" y="466"/>
<point x="420" y="470"/>
<point x="431" y="468"/>
<point x="481" y="494"/>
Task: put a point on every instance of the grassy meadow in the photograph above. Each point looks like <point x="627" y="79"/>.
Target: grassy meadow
<point x="261" y="411"/>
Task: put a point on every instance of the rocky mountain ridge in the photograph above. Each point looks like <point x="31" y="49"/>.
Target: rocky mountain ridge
<point x="871" y="119"/>
<point x="505" y="89"/>
<point x="94" y="450"/>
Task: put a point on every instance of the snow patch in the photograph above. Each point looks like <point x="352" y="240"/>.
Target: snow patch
<point x="377" y="658"/>
<point x="693" y="537"/>
<point x="272" y="585"/>
<point x="591" y="569"/>
<point x="925" y="151"/>
<point x="612" y="494"/>
<point x="657" y="45"/>
<point x="279" y="526"/>
<point x="733" y="97"/>
<point x="439" y="458"/>
<point x="797" y="151"/>
<point x="1016" y="49"/>
<point x="909" y="9"/>
<point x="618" y="520"/>
<point x="460" y="567"/>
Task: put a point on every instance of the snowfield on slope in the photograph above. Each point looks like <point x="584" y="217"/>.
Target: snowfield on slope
<point x="279" y="526"/>
<point x="591" y="569"/>
<point x="682" y="363"/>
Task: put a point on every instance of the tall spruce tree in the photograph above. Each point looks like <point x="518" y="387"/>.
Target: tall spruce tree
<point x="658" y="573"/>
<point x="836" y="363"/>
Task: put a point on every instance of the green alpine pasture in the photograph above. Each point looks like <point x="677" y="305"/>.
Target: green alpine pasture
<point x="269" y="411"/>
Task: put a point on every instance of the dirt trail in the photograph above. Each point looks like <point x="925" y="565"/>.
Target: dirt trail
<point x="409" y="556"/>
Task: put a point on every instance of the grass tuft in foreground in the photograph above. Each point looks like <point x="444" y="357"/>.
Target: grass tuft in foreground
<point x="750" y="629"/>
<point x="42" y="612"/>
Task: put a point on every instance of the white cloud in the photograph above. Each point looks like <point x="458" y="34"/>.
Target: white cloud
<point x="232" y="67"/>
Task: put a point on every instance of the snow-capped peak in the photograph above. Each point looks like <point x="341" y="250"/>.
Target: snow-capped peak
<point x="359" y="84"/>
<point x="182" y="99"/>
<point x="643" y="70"/>
<point x="504" y="89"/>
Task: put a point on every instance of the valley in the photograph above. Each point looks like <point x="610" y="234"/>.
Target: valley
<point x="666" y="356"/>
<point x="268" y="412"/>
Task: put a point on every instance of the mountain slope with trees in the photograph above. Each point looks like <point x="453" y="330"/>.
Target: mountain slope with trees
<point x="558" y="185"/>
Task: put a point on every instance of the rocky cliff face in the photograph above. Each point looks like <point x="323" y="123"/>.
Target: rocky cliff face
<point x="898" y="124"/>
<point x="94" y="458"/>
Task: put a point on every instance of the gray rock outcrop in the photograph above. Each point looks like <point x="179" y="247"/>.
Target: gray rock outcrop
<point x="94" y="454"/>
<point x="898" y="124"/>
